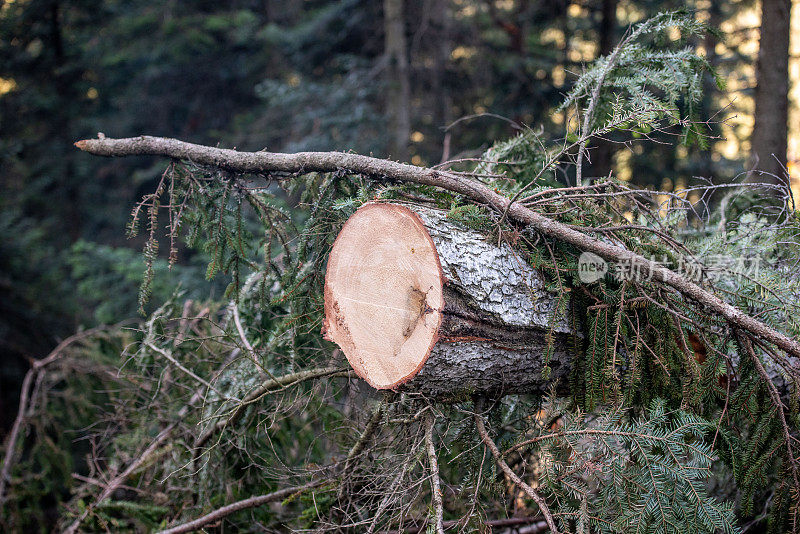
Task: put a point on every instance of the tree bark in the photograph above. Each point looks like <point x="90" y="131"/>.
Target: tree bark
<point x="769" y="140"/>
<point x="461" y="315"/>
<point x="399" y="93"/>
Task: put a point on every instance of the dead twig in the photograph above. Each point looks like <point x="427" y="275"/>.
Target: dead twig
<point x="244" y="504"/>
<point x="304" y="162"/>
<point x="366" y="435"/>
<point x="268" y="386"/>
<point x="25" y="396"/>
<point x="526" y="525"/>
<point x="433" y="464"/>
<point x="532" y="493"/>
<point x="152" y="452"/>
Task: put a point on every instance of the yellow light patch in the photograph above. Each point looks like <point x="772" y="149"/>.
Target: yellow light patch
<point x="555" y="36"/>
<point x="574" y="10"/>
<point x="559" y="76"/>
<point x="7" y="85"/>
<point x="622" y="162"/>
<point x="462" y="52"/>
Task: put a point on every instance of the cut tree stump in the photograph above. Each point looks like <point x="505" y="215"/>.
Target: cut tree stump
<point x="420" y="303"/>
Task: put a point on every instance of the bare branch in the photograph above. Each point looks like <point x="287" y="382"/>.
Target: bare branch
<point x="589" y="117"/>
<point x="436" y="489"/>
<point x="303" y="162"/>
<point x="150" y="453"/>
<point x="269" y="386"/>
<point x="519" y="525"/>
<point x="244" y="504"/>
<point x="532" y="493"/>
<point x="168" y="356"/>
<point x="366" y="435"/>
<point x="394" y="488"/>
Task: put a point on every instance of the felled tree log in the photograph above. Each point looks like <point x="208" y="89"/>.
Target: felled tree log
<point x="419" y="302"/>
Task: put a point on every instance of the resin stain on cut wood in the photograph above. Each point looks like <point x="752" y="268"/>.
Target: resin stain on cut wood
<point x="402" y="324"/>
<point x="383" y="294"/>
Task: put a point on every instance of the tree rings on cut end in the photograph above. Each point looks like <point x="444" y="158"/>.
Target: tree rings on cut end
<point x="383" y="294"/>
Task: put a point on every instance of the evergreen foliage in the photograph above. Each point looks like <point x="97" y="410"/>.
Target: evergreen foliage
<point x="616" y="473"/>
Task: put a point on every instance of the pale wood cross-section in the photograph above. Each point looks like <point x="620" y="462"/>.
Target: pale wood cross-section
<point x="383" y="294"/>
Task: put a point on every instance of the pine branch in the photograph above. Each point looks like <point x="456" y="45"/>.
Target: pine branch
<point x="779" y="408"/>
<point x="244" y="504"/>
<point x="305" y="162"/>
<point x="588" y="118"/>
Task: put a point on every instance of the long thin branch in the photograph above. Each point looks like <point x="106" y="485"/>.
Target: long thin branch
<point x="363" y="439"/>
<point x="532" y="493"/>
<point x="390" y="494"/>
<point x="436" y="488"/>
<point x="304" y="162"/>
<point x="521" y="525"/>
<point x="244" y="504"/>
<point x="588" y="119"/>
<point x="11" y="445"/>
<point x="179" y="365"/>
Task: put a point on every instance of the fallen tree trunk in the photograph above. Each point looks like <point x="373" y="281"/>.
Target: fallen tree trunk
<point x="418" y="301"/>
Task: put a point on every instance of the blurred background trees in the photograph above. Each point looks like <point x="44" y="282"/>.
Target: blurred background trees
<point x="420" y="81"/>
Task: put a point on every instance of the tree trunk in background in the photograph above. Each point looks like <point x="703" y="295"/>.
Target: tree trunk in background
<point x="602" y="157"/>
<point x="442" y="107"/>
<point x="709" y="106"/>
<point x="64" y="85"/>
<point x="399" y="93"/>
<point x="769" y="141"/>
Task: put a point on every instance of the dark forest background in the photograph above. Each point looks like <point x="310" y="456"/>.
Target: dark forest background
<point x="421" y="81"/>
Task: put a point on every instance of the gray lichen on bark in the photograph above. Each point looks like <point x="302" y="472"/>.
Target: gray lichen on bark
<point x="497" y="319"/>
<point x="484" y="367"/>
<point x="497" y="278"/>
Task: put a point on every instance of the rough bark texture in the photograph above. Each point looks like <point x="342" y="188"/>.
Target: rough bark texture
<point x="769" y="141"/>
<point x="497" y="280"/>
<point x="496" y="319"/>
<point x="491" y="334"/>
